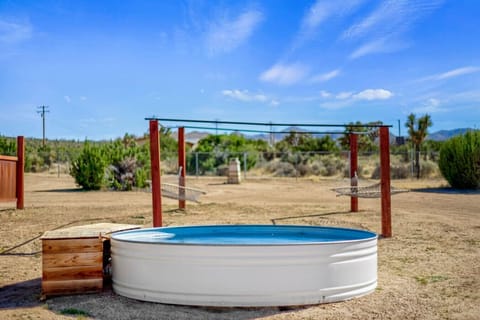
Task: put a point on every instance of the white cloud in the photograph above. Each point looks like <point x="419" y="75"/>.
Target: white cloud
<point x="67" y="99"/>
<point x="325" y="76"/>
<point x="321" y="11"/>
<point x="325" y="94"/>
<point x="347" y="98"/>
<point x="246" y="96"/>
<point x="384" y="28"/>
<point x="226" y="35"/>
<point x="284" y="74"/>
<point x="383" y="45"/>
<point x="274" y="103"/>
<point x="11" y="32"/>
<point x="452" y="73"/>
<point x="344" y="95"/>
<point x="373" y="94"/>
<point x="431" y="105"/>
<point x="83" y="98"/>
<point x="391" y="17"/>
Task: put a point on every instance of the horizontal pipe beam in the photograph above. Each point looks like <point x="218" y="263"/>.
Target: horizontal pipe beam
<point x="266" y="131"/>
<point x="269" y="123"/>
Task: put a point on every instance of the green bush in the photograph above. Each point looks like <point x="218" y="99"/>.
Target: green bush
<point x="89" y="168"/>
<point x="459" y="161"/>
<point x="217" y="150"/>
<point x="8" y="146"/>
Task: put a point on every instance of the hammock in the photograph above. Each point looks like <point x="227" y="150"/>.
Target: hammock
<point x="372" y="191"/>
<point x="175" y="191"/>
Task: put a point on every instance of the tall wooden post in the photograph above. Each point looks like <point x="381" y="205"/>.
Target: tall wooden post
<point x="155" y="169"/>
<point x="20" y="172"/>
<point x="182" y="167"/>
<point x="353" y="170"/>
<point x="385" y="182"/>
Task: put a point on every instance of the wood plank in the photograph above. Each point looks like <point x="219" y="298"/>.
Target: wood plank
<point x="72" y="259"/>
<point x="8" y="182"/>
<point x="73" y="273"/>
<point x="88" y="231"/>
<point x="50" y="288"/>
<point x="8" y="158"/>
<point x="72" y="245"/>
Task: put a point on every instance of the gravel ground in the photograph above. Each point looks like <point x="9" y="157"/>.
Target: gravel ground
<point x="429" y="269"/>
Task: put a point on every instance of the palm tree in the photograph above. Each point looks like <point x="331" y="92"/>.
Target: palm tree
<point x="418" y="131"/>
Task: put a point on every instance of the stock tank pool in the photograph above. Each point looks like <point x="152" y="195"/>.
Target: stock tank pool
<point x="244" y="265"/>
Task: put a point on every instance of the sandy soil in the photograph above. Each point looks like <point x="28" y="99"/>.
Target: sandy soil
<point x="429" y="269"/>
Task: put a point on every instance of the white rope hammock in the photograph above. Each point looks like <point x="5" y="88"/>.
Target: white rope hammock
<point x="178" y="192"/>
<point x="372" y="191"/>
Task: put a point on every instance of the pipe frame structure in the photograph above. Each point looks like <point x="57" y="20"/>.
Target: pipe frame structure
<point x="384" y="165"/>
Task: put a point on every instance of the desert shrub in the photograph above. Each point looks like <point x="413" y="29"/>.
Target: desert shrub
<point x="35" y="163"/>
<point x="281" y="169"/>
<point x="123" y="174"/>
<point x="89" y="168"/>
<point x="8" y="146"/>
<point x="316" y="167"/>
<point x="333" y="165"/>
<point x="459" y="161"/>
<point x="141" y="177"/>
<point x="128" y="164"/>
<point x="304" y="170"/>
<point x="396" y="172"/>
<point x="428" y="169"/>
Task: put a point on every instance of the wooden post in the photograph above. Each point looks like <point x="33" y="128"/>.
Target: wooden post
<point x="20" y="172"/>
<point x="182" y="167"/>
<point x="385" y="182"/>
<point x="353" y="170"/>
<point x="155" y="169"/>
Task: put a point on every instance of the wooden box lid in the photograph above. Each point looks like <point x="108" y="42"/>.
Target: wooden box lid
<point x="88" y="231"/>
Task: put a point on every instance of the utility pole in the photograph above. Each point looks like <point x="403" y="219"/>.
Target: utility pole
<point x="42" y="110"/>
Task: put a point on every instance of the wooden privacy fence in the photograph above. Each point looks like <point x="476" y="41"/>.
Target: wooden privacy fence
<point x="11" y="175"/>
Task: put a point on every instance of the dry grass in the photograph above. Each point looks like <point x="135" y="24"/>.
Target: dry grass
<point x="429" y="269"/>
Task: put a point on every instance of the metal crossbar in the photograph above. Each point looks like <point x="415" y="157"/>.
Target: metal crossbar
<point x="372" y="191"/>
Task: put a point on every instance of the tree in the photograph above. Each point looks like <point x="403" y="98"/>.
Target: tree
<point x="219" y="149"/>
<point x="89" y="168"/>
<point x="418" y="131"/>
<point x="366" y="138"/>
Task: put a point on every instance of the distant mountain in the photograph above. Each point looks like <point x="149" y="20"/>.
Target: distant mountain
<point x="193" y="136"/>
<point x="282" y="133"/>
<point x="447" y="134"/>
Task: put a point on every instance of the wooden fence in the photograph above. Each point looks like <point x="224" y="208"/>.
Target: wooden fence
<point x="12" y="176"/>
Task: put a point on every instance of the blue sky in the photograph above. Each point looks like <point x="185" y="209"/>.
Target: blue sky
<point x="103" y="66"/>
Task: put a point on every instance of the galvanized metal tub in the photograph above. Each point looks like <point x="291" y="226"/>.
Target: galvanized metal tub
<point x="244" y="265"/>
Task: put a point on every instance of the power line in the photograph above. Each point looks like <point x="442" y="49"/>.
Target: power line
<point x="42" y="110"/>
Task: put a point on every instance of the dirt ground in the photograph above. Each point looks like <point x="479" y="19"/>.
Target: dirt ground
<point x="429" y="269"/>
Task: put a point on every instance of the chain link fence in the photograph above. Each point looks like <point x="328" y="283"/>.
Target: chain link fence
<point x="255" y="165"/>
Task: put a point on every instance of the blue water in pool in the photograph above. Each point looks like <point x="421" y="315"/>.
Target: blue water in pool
<point x="243" y="235"/>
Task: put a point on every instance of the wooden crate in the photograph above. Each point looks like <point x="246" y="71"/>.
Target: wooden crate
<point x="75" y="260"/>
